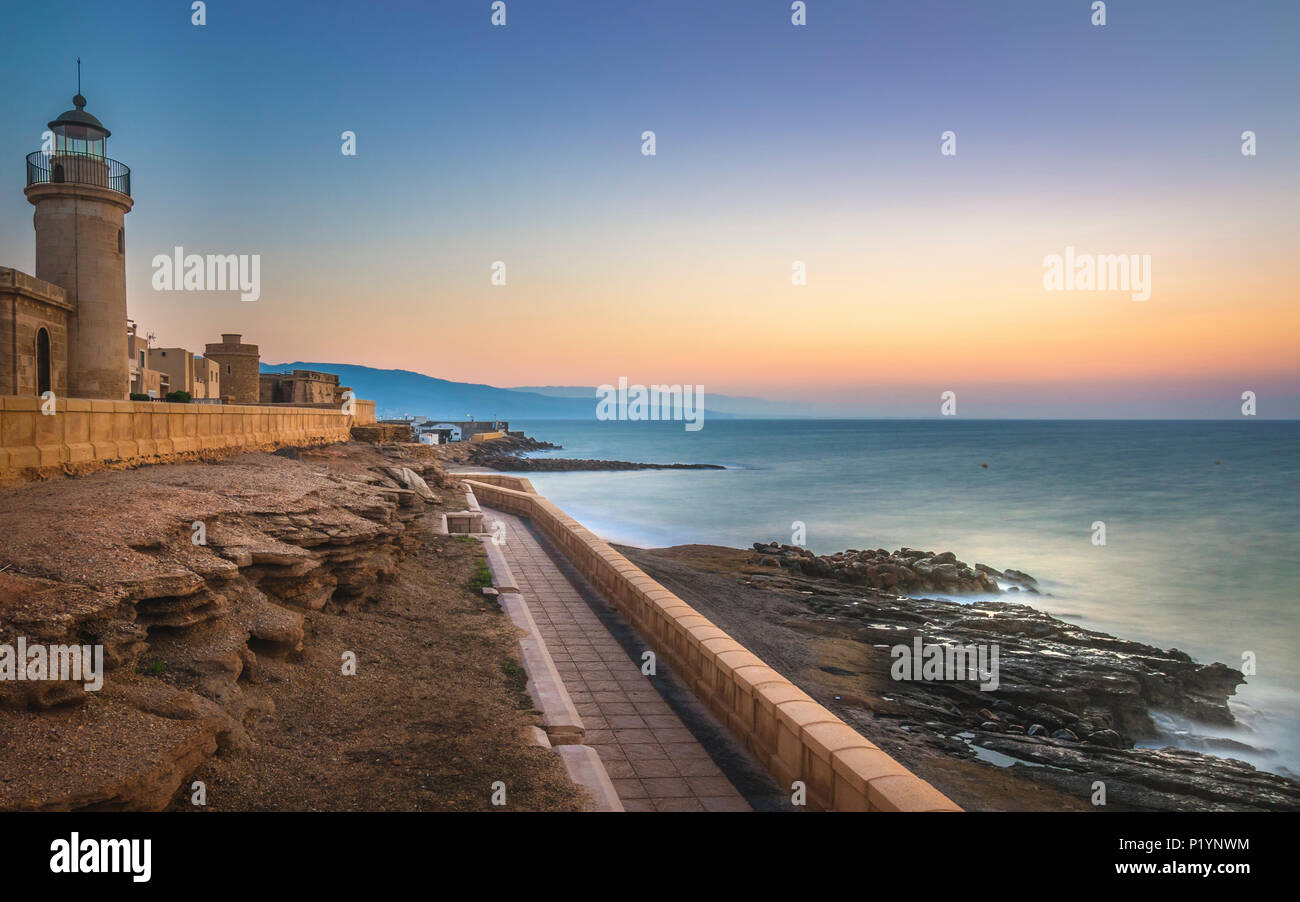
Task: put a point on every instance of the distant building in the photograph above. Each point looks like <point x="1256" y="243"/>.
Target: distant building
<point x="431" y="433"/>
<point x="449" y="430"/>
<point x="300" y="387"/>
<point x="240" y="368"/>
<point x="143" y="379"/>
<point x="177" y="365"/>
<point x="207" y="379"/>
<point x="469" y="429"/>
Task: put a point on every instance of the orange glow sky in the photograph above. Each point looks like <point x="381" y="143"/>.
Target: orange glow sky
<point x="775" y="144"/>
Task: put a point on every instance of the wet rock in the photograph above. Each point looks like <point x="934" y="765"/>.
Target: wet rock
<point x="1151" y="779"/>
<point x="1022" y="581"/>
<point x="1108" y="738"/>
<point x="1050" y="716"/>
<point x="907" y="568"/>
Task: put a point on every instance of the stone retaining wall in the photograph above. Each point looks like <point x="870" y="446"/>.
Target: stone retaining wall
<point x="518" y="483"/>
<point x="85" y="434"/>
<point x="794" y="737"/>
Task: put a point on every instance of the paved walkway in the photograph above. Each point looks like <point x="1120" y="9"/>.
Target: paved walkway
<point x="654" y="760"/>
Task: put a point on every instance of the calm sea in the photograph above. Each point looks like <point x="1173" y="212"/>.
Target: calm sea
<point x="1202" y="521"/>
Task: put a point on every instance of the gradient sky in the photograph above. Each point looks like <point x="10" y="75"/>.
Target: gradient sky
<point x="775" y="144"/>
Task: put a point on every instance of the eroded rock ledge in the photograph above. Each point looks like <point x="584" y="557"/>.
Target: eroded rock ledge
<point x="112" y="560"/>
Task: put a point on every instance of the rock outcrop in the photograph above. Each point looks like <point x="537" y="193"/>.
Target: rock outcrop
<point x="507" y="453"/>
<point x="185" y="575"/>
<point x="906" y="570"/>
<point x="561" y="464"/>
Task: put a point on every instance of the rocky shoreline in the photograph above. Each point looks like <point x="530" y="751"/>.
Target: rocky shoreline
<point x="1069" y="707"/>
<point x="905" y="570"/>
<point x="507" y="454"/>
<point x="1073" y="708"/>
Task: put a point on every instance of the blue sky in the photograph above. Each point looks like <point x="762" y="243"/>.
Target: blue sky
<point x="775" y="143"/>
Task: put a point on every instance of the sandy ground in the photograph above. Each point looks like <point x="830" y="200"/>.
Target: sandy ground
<point x="434" y="715"/>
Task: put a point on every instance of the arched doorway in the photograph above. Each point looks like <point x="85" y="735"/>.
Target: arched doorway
<point x="42" y="361"/>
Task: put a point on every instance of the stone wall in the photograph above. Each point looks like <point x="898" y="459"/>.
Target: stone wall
<point x="84" y="434"/>
<point x="792" y="735"/>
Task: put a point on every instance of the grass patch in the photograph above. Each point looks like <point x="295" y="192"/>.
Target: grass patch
<point x="157" y="668"/>
<point x="482" y="577"/>
<point x="517" y="682"/>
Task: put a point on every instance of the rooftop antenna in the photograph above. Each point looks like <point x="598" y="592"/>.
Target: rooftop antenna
<point x="78" y="75"/>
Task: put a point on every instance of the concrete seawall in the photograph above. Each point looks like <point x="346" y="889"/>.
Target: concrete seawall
<point x="83" y="434"/>
<point x="792" y="735"/>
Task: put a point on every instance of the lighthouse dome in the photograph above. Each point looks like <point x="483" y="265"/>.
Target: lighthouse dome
<point x="78" y="118"/>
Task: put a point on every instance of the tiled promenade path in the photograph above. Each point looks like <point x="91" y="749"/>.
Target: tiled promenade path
<point x="651" y="749"/>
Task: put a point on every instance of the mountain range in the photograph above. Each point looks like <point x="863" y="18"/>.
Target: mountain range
<point x="400" y="393"/>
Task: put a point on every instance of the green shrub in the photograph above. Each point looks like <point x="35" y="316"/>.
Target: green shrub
<point x="179" y="397"/>
<point x="482" y="577"/>
<point x="136" y="396"/>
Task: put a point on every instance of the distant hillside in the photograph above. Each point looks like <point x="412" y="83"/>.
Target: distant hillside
<point x="719" y="405"/>
<point x="401" y="393"/>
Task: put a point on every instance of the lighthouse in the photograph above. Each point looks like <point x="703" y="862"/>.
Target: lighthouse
<point x="81" y="198"/>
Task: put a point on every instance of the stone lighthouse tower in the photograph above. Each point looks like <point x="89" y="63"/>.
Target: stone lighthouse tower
<point x="81" y="198"/>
